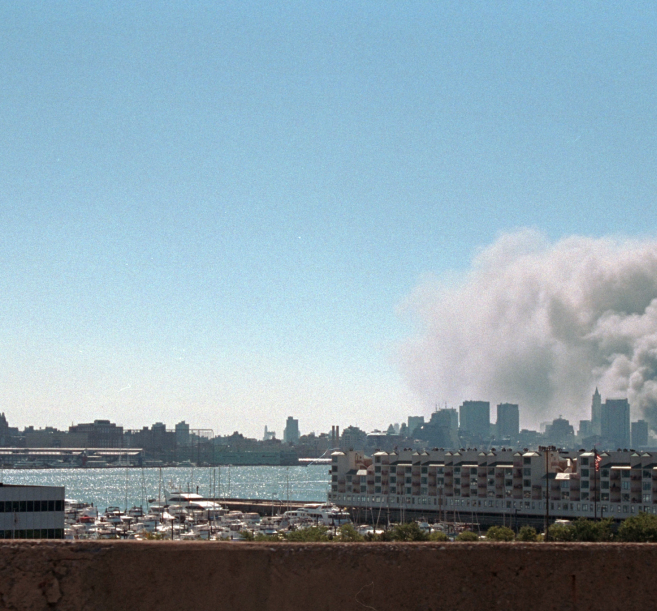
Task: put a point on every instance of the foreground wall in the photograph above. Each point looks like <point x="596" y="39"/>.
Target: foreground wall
<point x="163" y="576"/>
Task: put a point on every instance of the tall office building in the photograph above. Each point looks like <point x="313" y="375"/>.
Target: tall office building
<point x="596" y="413"/>
<point x="291" y="433"/>
<point x="615" y="422"/>
<point x="474" y="417"/>
<point x="182" y="434"/>
<point x="639" y="434"/>
<point x="508" y="420"/>
<point x="447" y="417"/>
<point x="414" y="422"/>
<point x="584" y="429"/>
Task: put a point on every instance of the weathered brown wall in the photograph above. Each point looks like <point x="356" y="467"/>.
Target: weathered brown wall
<point x="204" y="576"/>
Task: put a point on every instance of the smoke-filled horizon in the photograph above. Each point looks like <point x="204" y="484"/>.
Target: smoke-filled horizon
<point x="541" y="324"/>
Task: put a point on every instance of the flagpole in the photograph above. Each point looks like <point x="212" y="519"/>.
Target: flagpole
<point x="595" y="479"/>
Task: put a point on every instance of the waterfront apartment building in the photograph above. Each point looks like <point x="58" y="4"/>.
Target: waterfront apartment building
<point x="490" y="485"/>
<point x="31" y="512"/>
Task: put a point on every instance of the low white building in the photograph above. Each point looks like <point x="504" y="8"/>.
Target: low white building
<point x="31" y="512"/>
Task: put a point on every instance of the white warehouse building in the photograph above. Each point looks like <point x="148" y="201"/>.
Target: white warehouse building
<point x="31" y="512"/>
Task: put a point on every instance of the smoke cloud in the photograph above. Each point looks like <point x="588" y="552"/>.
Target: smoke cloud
<point x="541" y="324"/>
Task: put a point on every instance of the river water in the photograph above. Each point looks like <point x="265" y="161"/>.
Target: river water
<point x="125" y="487"/>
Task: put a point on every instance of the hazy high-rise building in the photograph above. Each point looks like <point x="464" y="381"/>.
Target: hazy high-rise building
<point x="508" y="420"/>
<point x="639" y="434"/>
<point x="414" y="422"/>
<point x="560" y="432"/>
<point x="474" y="417"/>
<point x="596" y="413"/>
<point x="182" y="434"/>
<point x="585" y="429"/>
<point x="447" y="417"/>
<point x="291" y="433"/>
<point x="615" y="422"/>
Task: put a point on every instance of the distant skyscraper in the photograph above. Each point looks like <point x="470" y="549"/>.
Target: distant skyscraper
<point x="596" y="413"/>
<point x="584" y="429"/>
<point x="414" y="422"/>
<point x="291" y="433"/>
<point x="615" y="422"/>
<point x="475" y="417"/>
<point x="447" y="417"/>
<point x="639" y="434"/>
<point x="508" y="420"/>
<point x="182" y="433"/>
<point x="560" y="432"/>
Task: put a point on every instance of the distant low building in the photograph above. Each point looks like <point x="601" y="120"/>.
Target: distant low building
<point x="100" y="433"/>
<point x="353" y="438"/>
<point x="56" y="439"/>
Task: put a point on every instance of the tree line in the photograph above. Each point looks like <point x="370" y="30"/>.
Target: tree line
<point x="641" y="528"/>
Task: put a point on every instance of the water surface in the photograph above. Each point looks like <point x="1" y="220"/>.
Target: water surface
<point x="125" y="487"/>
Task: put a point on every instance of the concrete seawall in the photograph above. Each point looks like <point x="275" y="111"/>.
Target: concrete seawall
<point x="163" y="576"/>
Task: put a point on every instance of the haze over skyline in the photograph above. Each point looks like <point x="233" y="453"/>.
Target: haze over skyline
<point x="230" y="213"/>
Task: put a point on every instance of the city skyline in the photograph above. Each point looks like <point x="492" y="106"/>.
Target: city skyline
<point x="233" y="213"/>
<point x="609" y="424"/>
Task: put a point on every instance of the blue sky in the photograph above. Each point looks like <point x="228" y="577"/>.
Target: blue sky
<point x="213" y="211"/>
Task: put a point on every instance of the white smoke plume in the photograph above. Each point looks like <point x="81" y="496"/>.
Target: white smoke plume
<point x="541" y="325"/>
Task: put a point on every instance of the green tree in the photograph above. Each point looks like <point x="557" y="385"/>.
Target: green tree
<point x="561" y="532"/>
<point x="527" y="533"/>
<point x="268" y="538"/>
<point x="347" y="532"/>
<point x="438" y="535"/>
<point x="410" y="531"/>
<point x="308" y="535"/>
<point x="467" y="535"/>
<point x="641" y="528"/>
<point x="589" y="530"/>
<point x="500" y="533"/>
